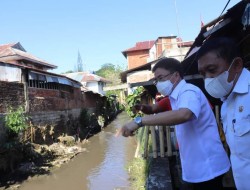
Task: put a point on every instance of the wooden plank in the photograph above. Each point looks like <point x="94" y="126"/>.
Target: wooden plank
<point x="154" y="145"/>
<point x="162" y="144"/>
<point x="141" y="133"/>
<point x="145" y="155"/>
<point x="168" y="136"/>
<point x="116" y="87"/>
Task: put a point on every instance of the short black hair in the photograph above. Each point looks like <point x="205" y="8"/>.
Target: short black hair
<point x="169" y="64"/>
<point x="224" y="47"/>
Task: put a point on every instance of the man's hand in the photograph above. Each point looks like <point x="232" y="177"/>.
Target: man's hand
<point x="144" y="108"/>
<point x="138" y="107"/>
<point x="128" y="129"/>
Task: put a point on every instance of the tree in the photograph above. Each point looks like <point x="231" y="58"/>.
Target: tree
<point x="110" y="72"/>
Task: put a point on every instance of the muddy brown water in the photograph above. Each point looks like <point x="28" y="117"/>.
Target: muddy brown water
<point x="101" y="167"/>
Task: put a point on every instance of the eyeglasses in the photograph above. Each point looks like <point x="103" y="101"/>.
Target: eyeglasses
<point x="161" y="78"/>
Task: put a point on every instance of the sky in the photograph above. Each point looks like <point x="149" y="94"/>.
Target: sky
<point x="55" y="30"/>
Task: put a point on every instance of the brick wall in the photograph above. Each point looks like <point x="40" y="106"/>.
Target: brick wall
<point x="11" y="94"/>
<point x="91" y="99"/>
<point x="137" y="58"/>
<point x="2" y="129"/>
<point x="164" y="44"/>
<point x="53" y="117"/>
<point x="54" y="100"/>
<point x="47" y="107"/>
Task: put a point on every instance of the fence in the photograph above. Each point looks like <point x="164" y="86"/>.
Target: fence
<point x="161" y="140"/>
<point x="156" y="141"/>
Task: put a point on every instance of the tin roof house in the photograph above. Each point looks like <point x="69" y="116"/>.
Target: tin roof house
<point x="89" y="81"/>
<point x="14" y="60"/>
<point x="19" y="66"/>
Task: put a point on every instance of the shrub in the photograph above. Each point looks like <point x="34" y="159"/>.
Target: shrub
<point x="84" y="119"/>
<point x="16" y="120"/>
<point x="132" y="100"/>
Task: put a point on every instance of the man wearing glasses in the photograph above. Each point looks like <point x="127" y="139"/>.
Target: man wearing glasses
<point x="203" y="158"/>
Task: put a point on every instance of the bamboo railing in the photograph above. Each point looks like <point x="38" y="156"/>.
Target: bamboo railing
<point x="156" y="141"/>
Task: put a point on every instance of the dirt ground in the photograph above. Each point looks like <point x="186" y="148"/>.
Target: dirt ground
<point x="42" y="159"/>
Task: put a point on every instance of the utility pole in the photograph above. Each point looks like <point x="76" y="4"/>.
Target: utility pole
<point x="178" y="30"/>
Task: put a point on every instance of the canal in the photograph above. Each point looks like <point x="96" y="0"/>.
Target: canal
<point x="101" y="167"/>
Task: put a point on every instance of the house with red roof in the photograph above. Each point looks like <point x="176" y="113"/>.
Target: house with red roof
<point x="142" y="57"/>
<point x="138" y="55"/>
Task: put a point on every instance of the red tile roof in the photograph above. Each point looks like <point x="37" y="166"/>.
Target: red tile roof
<point x="146" y="45"/>
<point x="5" y="46"/>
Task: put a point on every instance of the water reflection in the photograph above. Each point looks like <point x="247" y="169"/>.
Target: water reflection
<point x="101" y="168"/>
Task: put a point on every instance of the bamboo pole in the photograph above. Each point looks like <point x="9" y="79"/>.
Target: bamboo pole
<point x="154" y="146"/>
<point x="162" y="145"/>
<point x="25" y="135"/>
<point x="168" y="136"/>
<point x="31" y="134"/>
<point x="145" y="155"/>
<point x="137" y="151"/>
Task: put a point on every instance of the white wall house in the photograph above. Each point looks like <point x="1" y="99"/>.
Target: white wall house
<point x="90" y="82"/>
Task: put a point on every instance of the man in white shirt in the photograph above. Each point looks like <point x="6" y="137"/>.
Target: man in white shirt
<point x="203" y="158"/>
<point x="226" y="78"/>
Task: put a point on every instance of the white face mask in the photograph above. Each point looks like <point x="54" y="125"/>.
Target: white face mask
<point x="219" y="87"/>
<point x="164" y="87"/>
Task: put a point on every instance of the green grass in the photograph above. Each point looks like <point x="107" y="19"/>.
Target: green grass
<point x="138" y="172"/>
<point x="138" y="167"/>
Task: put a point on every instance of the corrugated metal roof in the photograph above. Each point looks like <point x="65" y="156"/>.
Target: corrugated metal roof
<point x="17" y="52"/>
<point x="86" y="77"/>
<point x="44" y="72"/>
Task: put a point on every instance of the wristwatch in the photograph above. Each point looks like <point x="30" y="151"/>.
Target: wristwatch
<point x="138" y="121"/>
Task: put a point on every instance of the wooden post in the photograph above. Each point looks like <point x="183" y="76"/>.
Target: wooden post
<point x="162" y="145"/>
<point x="145" y="155"/>
<point x="137" y="151"/>
<point x="154" y="146"/>
<point x="31" y="134"/>
<point x="25" y="136"/>
<point x="168" y="135"/>
<point x="25" y="80"/>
